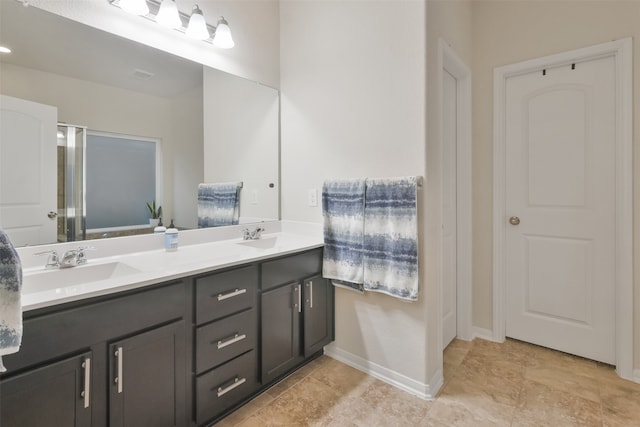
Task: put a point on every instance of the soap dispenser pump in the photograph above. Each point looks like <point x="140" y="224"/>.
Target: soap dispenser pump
<point x="159" y="229"/>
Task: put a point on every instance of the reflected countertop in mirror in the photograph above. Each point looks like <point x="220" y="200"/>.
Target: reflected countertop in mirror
<point x="212" y="126"/>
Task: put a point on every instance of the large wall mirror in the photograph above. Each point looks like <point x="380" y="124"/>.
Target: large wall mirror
<point x="201" y="125"/>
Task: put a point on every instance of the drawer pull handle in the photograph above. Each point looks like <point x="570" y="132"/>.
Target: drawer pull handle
<point x="235" y="293"/>
<point x="234" y="339"/>
<point x="236" y="383"/>
<point x="86" y="392"/>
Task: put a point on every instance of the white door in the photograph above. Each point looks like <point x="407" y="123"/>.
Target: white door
<point x="449" y="208"/>
<point x="560" y="205"/>
<point x="28" y="171"/>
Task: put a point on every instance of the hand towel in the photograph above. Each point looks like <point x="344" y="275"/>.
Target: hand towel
<point x="219" y="204"/>
<point x="10" y="303"/>
<point x="343" y="219"/>
<point x="390" y="253"/>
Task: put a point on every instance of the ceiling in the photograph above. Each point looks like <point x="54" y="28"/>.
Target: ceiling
<point x="48" y="42"/>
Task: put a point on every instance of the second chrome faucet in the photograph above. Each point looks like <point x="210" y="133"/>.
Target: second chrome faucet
<point x="70" y="258"/>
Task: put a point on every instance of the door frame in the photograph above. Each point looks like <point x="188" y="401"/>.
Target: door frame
<point x="621" y="51"/>
<point x="448" y="60"/>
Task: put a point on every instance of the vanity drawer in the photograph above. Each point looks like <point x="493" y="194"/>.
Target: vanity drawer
<point x="225" y="339"/>
<point x="222" y="294"/>
<point x="291" y="268"/>
<point x="226" y="386"/>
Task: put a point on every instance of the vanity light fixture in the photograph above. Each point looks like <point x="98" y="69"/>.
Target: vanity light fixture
<point x="4" y="49"/>
<point x="135" y="7"/>
<point x="197" y="28"/>
<point x="222" y="38"/>
<point x="166" y="13"/>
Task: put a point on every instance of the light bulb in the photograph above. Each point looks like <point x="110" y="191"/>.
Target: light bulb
<point x="168" y="14"/>
<point x="197" y="28"/>
<point x="136" y="7"/>
<point x="222" y="37"/>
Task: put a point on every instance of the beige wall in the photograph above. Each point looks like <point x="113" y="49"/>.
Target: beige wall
<point x="506" y="32"/>
<point x="353" y="105"/>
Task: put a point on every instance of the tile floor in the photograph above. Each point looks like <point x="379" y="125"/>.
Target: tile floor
<point x="485" y="384"/>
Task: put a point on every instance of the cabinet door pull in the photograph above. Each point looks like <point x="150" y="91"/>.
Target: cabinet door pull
<point x="235" y="293"/>
<point x="231" y="340"/>
<point x="310" y="293"/>
<point x="237" y="381"/>
<point x="86" y="392"/>
<point x="118" y="379"/>
<point x="299" y="287"/>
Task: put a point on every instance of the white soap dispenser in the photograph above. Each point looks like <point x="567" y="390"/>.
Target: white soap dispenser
<point x="171" y="238"/>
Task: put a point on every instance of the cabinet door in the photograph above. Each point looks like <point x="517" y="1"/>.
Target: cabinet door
<point x="147" y="376"/>
<point x="318" y="314"/>
<point x="58" y="394"/>
<point x="281" y="311"/>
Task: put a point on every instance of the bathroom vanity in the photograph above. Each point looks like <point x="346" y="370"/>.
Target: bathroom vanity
<point x="182" y="351"/>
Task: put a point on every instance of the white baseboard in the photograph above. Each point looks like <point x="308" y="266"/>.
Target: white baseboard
<point x="485" y="334"/>
<point x="424" y="391"/>
<point x="636" y="376"/>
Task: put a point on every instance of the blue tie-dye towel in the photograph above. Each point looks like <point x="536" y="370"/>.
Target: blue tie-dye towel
<point x="390" y="253"/>
<point x="219" y="204"/>
<point x="10" y="304"/>
<point x="343" y="216"/>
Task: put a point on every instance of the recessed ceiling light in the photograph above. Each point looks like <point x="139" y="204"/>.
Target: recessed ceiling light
<point x="4" y="49"/>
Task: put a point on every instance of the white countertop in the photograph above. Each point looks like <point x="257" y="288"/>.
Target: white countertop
<point x="130" y="270"/>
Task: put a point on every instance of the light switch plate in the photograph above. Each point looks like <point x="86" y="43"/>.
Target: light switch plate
<point x="312" y="197"/>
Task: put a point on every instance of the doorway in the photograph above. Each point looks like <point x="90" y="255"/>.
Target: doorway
<point x="562" y="203"/>
<point x="455" y="107"/>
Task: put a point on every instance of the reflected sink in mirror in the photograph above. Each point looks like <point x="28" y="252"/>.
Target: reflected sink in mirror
<point x="46" y="280"/>
<point x="266" y="243"/>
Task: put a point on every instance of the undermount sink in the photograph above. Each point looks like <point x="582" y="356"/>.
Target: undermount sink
<point x="267" y="243"/>
<point x="59" y="278"/>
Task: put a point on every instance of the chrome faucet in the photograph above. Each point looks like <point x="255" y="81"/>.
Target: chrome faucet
<point x="70" y="258"/>
<point x="254" y="234"/>
<point x="52" y="259"/>
<point x="74" y="257"/>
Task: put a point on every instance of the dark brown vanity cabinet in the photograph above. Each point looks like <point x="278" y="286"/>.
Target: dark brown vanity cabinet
<point x="297" y="312"/>
<point x="113" y="361"/>
<point x="181" y="353"/>
<point x="57" y="394"/>
<point x="146" y="376"/>
<point x="226" y="340"/>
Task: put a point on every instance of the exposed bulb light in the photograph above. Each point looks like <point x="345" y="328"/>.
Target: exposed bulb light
<point x="222" y="37"/>
<point x="168" y="15"/>
<point x="197" y="28"/>
<point x="4" y="49"/>
<point x="135" y="7"/>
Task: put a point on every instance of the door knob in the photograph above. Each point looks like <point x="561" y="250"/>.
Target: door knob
<point x="52" y="214"/>
<point x="514" y="220"/>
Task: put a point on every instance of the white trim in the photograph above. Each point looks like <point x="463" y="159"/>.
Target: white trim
<point x="636" y="376"/>
<point x="484" y="334"/>
<point x="622" y="51"/>
<point x="449" y="61"/>
<point x="396" y="379"/>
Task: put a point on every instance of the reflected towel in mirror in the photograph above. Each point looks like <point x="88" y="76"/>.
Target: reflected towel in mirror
<point x="10" y="303"/>
<point x="219" y="204"/>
